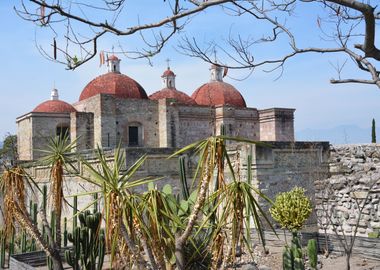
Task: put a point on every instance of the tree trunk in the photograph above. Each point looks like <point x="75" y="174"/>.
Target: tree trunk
<point x="348" y="258"/>
<point x="179" y="252"/>
<point x="57" y="262"/>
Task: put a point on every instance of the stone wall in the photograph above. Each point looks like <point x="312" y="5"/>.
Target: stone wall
<point x="280" y="166"/>
<point x="34" y="131"/>
<point x="354" y="184"/>
<point x="277" y="124"/>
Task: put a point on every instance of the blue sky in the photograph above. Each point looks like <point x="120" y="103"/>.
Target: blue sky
<point x="27" y="78"/>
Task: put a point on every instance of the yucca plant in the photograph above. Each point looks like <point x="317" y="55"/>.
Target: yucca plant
<point x="221" y="201"/>
<point x="13" y="187"/>
<point x="115" y="184"/>
<point x="210" y="220"/>
<point x="57" y="157"/>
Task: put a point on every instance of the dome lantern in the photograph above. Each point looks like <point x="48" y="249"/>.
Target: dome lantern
<point x="113" y="63"/>
<point x="54" y="94"/>
<point x="216" y="73"/>
<point x="168" y="79"/>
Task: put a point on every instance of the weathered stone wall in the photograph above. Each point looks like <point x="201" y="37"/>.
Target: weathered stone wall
<point x="24" y="138"/>
<point x="82" y="130"/>
<point x="277" y="124"/>
<point x="354" y="184"/>
<point x="195" y="123"/>
<point x="280" y="166"/>
<point x="35" y="130"/>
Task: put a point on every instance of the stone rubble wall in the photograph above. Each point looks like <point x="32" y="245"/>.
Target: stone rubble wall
<point x="354" y="184"/>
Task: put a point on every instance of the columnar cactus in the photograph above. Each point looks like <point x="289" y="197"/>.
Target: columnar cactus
<point x="312" y="252"/>
<point x="292" y="256"/>
<point x="182" y="174"/>
<point x="88" y="243"/>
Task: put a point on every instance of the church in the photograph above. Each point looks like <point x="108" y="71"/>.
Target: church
<point x="114" y="109"/>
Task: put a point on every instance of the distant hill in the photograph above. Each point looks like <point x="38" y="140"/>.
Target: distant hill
<point x="337" y="135"/>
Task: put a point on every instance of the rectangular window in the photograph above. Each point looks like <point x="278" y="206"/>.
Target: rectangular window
<point x="63" y="132"/>
<point x="133" y="133"/>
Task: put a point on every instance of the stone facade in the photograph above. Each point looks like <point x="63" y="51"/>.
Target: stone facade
<point x="35" y="129"/>
<point x="277" y="124"/>
<point x="354" y="184"/>
<point x="113" y="109"/>
<point x="280" y="166"/>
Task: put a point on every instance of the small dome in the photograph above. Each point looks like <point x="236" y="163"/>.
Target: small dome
<point x="168" y="72"/>
<point x="54" y="106"/>
<point x="116" y="84"/>
<point x="218" y="93"/>
<point x="113" y="58"/>
<point x="173" y="93"/>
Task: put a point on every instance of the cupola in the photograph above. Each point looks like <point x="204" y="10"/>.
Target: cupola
<point x="216" y="92"/>
<point x="169" y="90"/>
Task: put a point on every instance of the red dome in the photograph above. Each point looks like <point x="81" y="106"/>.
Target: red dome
<point x="116" y="84"/>
<point x="113" y="58"/>
<point x="168" y="72"/>
<point x="54" y="106"/>
<point x="218" y="93"/>
<point x="173" y="93"/>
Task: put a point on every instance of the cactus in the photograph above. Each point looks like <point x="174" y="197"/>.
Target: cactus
<point x="72" y="257"/>
<point x="96" y="203"/>
<point x="297" y="253"/>
<point x="2" y="255"/>
<point x="65" y="232"/>
<point x="33" y="246"/>
<point x="287" y="259"/>
<point x="75" y="210"/>
<point x="292" y="256"/>
<point x="12" y="244"/>
<point x="23" y="241"/>
<point x="52" y="226"/>
<point x="312" y="251"/>
<point x="88" y="243"/>
<point x="182" y="174"/>
<point x="44" y="202"/>
<point x="373" y="134"/>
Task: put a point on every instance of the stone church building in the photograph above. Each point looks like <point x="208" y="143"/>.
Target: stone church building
<point x="113" y="108"/>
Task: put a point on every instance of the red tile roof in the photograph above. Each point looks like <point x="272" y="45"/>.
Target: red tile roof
<point x="116" y="84"/>
<point x="113" y="57"/>
<point x="173" y="93"/>
<point x="218" y="93"/>
<point x="168" y="72"/>
<point x="54" y="106"/>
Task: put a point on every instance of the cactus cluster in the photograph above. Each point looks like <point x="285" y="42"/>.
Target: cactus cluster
<point x="291" y="209"/>
<point x="88" y="243"/>
<point x="292" y="256"/>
